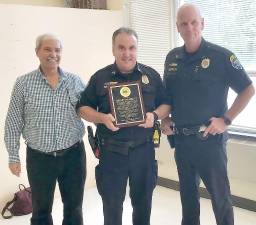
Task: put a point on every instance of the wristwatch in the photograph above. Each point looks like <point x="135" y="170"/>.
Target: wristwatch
<point x="227" y="121"/>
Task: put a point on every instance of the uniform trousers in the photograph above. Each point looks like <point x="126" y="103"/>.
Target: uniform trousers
<point x="205" y="159"/>
<point x="112" y="173"/>
<point x="69" y="170"/>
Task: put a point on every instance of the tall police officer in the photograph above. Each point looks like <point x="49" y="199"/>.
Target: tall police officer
<point x="198" y="76"/>
<point x="126" y="152"/>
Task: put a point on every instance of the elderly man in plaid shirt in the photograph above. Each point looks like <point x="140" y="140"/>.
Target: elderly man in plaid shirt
<point x="42" y="109"/>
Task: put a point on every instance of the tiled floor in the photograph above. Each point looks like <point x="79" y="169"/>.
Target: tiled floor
<point x="166" y="211"/>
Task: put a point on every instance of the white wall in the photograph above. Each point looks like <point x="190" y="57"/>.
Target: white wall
<point x="86" y="36"/>
<point x="241" y="166"/>
<point x="111" y="4"/>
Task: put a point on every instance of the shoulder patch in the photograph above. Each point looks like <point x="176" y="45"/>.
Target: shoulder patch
<point x="235" y="62"/>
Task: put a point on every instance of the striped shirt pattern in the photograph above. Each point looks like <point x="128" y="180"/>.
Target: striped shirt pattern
<point x="45" y="117"/>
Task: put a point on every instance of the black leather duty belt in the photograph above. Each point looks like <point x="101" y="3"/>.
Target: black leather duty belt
<point x="187" y="130"/>
<point x="126" y="144"/>
<point x="123" y="147"/>
<point x="58" y="153"/>
<point x="195" y="130"/>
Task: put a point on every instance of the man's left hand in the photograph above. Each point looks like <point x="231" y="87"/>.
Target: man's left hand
<point x="217" y="126"/>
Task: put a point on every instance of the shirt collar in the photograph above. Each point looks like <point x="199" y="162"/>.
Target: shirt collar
<point x="62" y="74"/>
<point x="116" y="71"/>
<point x="183" y="54"/>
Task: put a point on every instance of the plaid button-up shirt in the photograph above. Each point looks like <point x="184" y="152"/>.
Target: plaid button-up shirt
<point x="45" y="117"/>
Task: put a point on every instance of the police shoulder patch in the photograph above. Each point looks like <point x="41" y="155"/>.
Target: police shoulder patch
<point x="235" y="62"/>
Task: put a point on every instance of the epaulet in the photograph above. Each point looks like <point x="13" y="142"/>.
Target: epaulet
<point x="104" y="69"/>
<point x="174" y="51"/>
<point x="217" y="48"/>
<point x="144" y="68"/>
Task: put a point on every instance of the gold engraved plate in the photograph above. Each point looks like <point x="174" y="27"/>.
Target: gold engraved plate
<point x="125" y="91"/>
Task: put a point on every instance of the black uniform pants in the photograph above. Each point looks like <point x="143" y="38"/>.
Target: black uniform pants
<point x="112" y="173"/>
<point x="44" y="171"/>
<point x="205" y="159"/>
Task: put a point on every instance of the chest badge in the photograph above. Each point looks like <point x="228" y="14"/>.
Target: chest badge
<point x="205" y="63"/>
<point x="125" y="91"/>
<point x="145" y="79"/>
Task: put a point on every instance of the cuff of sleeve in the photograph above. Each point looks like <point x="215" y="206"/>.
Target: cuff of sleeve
<point x="14" y="159"/>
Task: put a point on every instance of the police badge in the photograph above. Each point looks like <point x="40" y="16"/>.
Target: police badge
<point x="205" y="63"/>
<point x="145" y="79"/>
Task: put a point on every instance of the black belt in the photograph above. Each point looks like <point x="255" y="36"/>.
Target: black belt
<point x="57" y="153"/>
<point x="198" y="131"/>
<point x="123" y="147"/>
<point x="127" y="144"/>
<point x="187" y="130"/>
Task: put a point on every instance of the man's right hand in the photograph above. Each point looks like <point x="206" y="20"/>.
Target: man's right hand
<point x="166" y="126"/>
<point x="15" y="168"/>
<point x="108" y="120"/>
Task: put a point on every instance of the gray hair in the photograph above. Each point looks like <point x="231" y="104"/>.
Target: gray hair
<point x="43" y="37"/>
<point x="126" y="30"/>
<point x="189" y="5"/>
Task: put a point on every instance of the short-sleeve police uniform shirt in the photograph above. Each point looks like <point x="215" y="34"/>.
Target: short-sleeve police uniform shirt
<point x="96" y="96"/>
<point x="197" y="84"/>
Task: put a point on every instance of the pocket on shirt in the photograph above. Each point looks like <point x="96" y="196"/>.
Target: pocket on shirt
<point x="38" y="107"/>
<point x="73" y="97"/>
<point x="149" y="96"/>
<point x="104" y="100"/>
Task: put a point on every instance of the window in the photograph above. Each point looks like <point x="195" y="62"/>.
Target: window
<point x="152" y="21"/>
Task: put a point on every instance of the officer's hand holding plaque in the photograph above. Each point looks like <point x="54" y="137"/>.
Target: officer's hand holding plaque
<point x="127" y="104"/>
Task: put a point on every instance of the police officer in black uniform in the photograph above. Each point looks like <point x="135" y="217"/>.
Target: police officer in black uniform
<point x="127" y="152"/>
<point x="197" y="78"/>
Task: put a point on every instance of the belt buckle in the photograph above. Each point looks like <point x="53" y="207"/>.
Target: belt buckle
<point x="201" y="132"/>
<point x="185" y="131"/>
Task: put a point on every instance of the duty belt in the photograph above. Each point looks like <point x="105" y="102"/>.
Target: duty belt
<point x="123" y="147"/>
<point x="195" y="130"/>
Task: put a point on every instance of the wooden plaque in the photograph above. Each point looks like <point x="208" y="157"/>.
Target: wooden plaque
<point x="127" y="104"/>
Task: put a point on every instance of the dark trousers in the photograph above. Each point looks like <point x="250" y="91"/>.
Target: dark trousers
<point x="205" y="159"/>
<point x="112" y="173"/>
<point x="69" y="170"/>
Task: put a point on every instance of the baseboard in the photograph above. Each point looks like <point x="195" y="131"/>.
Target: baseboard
<point x="240" y="202"/>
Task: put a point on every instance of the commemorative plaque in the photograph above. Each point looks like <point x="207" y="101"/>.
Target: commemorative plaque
<point x="127" y="104"/>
